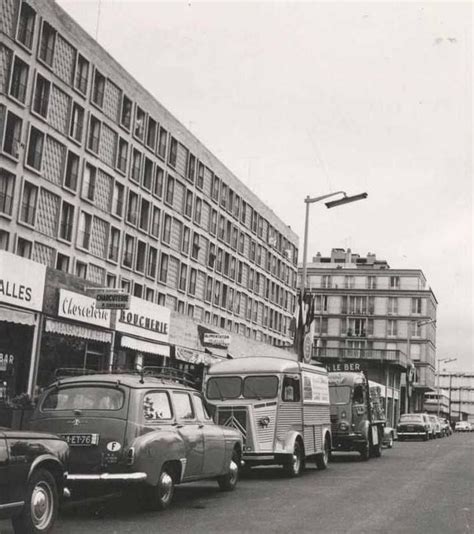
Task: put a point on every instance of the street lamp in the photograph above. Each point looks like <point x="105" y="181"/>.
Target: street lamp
<point x="439" y="360"/>
<point x="308" y="200"/>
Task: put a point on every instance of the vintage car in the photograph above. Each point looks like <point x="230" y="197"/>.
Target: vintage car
<point x="32" y="471"/>
<point x="462" y="426"/>
<point x="128" y="429"/>
<point x="436" y="425"/>
<point x="414" y="425"/>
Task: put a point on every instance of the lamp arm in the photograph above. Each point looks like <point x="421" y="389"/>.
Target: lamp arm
<point x="309" y="200"/>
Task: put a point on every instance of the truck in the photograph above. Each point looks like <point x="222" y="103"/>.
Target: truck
<point x="357" y="414"/>
<point x="280" y="407"/>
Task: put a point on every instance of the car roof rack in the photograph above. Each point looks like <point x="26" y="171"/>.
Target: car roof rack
<point x="168" y="372"/>
<point x="63" y="372"/>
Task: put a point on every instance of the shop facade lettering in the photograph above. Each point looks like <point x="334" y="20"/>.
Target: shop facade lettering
<point x="145" y="319"/>
<point x="81" y="308"/>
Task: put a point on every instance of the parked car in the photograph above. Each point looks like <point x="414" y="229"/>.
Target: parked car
<point x="414" y="425"/>
<point x="32" y="469"/>
<point x="436" y="426"/>
<point x="138" y="429"/>
<point x="462" y="426"/>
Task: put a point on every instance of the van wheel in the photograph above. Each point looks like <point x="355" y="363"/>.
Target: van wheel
<point x="159" y="497"/>
<point x="322" y="459"/>
<point x="228" y="481"/>
<point x="41" y="505"/>
<point x="295" y="465"/>
<point x="365" y="451"/>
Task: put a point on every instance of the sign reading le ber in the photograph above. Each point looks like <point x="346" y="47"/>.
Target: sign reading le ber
<point x="108" y="299"/>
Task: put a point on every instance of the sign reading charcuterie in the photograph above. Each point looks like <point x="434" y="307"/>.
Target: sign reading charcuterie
<point x="81" y="308"/>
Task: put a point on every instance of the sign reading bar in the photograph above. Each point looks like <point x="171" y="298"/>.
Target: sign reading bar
<point x="218" y="340"/>
<point x="107" y="299"/>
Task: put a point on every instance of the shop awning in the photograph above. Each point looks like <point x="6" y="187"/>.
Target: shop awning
<point x="145" y="346"/>
<point x="16" y="316"/>
<point x="194" y="356"/>
<point x="75" y="330"/>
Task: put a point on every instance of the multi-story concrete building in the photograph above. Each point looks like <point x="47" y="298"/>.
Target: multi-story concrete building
<point x="100" y="182"/>
<point x="382" y="317"/>
<point x="456" y="394"/>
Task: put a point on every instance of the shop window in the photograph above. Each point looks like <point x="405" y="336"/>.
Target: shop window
<point x="88" y="182"/>
<point x="152" y="262"/>
<point x="147" y="174"/>
<point x="151" y="133"/>
<point x="182" y="277"/>
<point x="4" y="239"/>
<point x="7" y="189"/>
<point x="111" y="280"/>
<point x="28" y="204"/>
<point x="166" y="230"/>
<point x="12" y="138"/>
<point x="126" y="112"/>
<point x="81" y="269"/>
<point x="67" y="220"/>
<point x="24" y="247"/>
<point x="94" y="134"/>
<point x="117" y="199"/>
<point x="71" y="174"/>
<point x="81" y="78"/>
<point x="169" y="190"/>
<point x="200" y="176"/>
<point x="114" y="244"/>
<point x="162" y="143"/>
<point x="76" y="127"/>
<point x="122" y="155"/>
<point x="185" y="240"/>
<point x="198" y="211"/>
<point x="163" y="275"/>
<point x="84" y="234"/>
<point x="140" y="120"/>
<point x="144" y="215"/>
<point x="128" y="249"/>
<point x="173" y="155"/>
<point x="47" y="43"/>
<point x="132" y="208"/>
<point x="19" y="80"/>
<point x="141" y="257"/>
<point x="159" y="179"/>
<point x="191" y="167"/>
<point x="155" y="222"/>
<point x="62" y="262"/>
<point x="26" y="25"/>
<point x="98" y="89"/>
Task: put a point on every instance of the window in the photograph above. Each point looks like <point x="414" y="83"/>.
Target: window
<point x="192" y="282"/>
<point x="215" y="189"/>
<point x="140" y="119"/>
<point x="213" y="222"/>
<point x="114" y="244"/>
<point x="188" y="204"/>
<point x="182" y="277"/>
<point x="141" y="257"/>
<point x="122" y="155"/>
<point x="394" y="282"/>
<point x="84" y="235"/>
<point x="173" y="152"/>
<point x="77" y="122"/>
<point x="223" y="195"/>
<point x="128" y="247"/>
<point x="158" y="185"/>
<point x="151" y="133"/>
<point x="196" y="246"/>
<point x="26" y="25"/>
<point x="150" y="294"/>
<point x="98" y="89"/>
<point x="88" y="182"/>
<point x="185" y="240"/>
<point x="166" y="230"/>
<point x="162" y="142"/>
<point x="198" y="211"/>
<point x="155" y="222"/>
<point x="356" y="305"/>
<point x="156" y="406"/>
<point x="132" y="208"/>
<point x="144" y="215"/>
<point x="217" y="293"/>
<point x="117" y="199"/>
<point x="392" y="305"/>
<point x="136" y="166"/>
<point x="71" y="173"/>
<point x="415" y="328"/>
<point x="41" y="96"/>
<point x="35" y="149"/>
<point x="28" y="204"/>
<point x="19" y="80"/>
<point x="163" y="275"/>
<point x="62" y="263"/>
<point x="126" y="113"/>
<point x="67" y="220"/>
<point x="416" y="306"/>
<point x="81" y="78"/>
<point x="138" y="290"/>
<point x="200" y="176"/>
<point x="47" y="42"/>
<point x="170" y="191"/>
<point x="7" y="188"/>
<point x="371" y="282"/>
<point x="147" y="174"/>
<point x="152" y="262"/>
<point x="191" y="167"/>
<point x="326" y="281"/>
<point x="111" y="281"/>
<point x="349" y="282"/>
<point x="81" y="269"/>
<point x="208" y="293"/>
<point x="391" y="327"/>
<point x="4" y="239"/>
<point x="12" y="139"/>
<point x="183" y="406"/>
<point x="94" y="134"/>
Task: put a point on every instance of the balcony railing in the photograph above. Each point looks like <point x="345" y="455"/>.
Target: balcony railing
<point x="392" y="356"/>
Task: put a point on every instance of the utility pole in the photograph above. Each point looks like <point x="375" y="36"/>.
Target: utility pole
<point x="450" y="386"/>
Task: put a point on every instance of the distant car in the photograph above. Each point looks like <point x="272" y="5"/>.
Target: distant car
<point x="32" y="470"/>
<point x="436" y="425"/>
<point x="388" y="437"/>
<point x="414" y="425"/>
<point x="126" y="429"/>
<point x="462" y="426"/>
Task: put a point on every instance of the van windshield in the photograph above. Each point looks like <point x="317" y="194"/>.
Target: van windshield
<point x="224" y="387"/>
<point x="233" y="387"/>
<point x="339" y="394"/>
<point x="260" y="387"/>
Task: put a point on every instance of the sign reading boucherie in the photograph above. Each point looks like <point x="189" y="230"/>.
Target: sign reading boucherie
<point x="81" y="308"/>
<point x="145" y="319"/>
<point x="112" y="300"/>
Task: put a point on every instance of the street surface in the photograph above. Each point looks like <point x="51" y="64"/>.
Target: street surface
<point x="416" y="487"/>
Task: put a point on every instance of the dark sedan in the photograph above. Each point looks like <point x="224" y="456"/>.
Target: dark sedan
<point x="32" y="469"/>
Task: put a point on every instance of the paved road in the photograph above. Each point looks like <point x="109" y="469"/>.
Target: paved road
<point x="415" y="487"/>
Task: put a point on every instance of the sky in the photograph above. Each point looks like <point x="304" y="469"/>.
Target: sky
<point x="306" y="98"/>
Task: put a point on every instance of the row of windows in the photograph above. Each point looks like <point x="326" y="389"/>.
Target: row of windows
<point x="366" y="304"/>
<point x="362" y="327"/>
<point x="355" y="282"/>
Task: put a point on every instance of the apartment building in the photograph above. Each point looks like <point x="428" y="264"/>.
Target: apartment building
<point x="383" y="318"/>
<point x="100" y="182"/>
<point x="456" y="394"/>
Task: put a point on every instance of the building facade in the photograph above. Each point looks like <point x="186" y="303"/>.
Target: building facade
<point x="366" y="311"/>
<point x="456" y="394"/>
<point x="100" y="182"/>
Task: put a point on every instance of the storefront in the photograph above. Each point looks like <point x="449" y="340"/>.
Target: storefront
<point x="22" y="285"/>
<point x="142" y="338"/>
<point x="76" y="340"/>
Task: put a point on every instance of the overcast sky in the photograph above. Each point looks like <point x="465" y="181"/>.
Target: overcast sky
<point x="308" y="98"/>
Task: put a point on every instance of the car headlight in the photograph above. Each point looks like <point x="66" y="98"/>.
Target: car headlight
<point x="343" y="426"/>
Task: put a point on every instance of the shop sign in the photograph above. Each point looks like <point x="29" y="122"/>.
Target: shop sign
<point x="21" y="281"/>
<point x="145" y="319"/>
<point x="81" y="308"/>
<point x="195" y="357"/>
<point x="217" y="340"/>
<point x="107" y="299"/>
<point x="344" y="366"/>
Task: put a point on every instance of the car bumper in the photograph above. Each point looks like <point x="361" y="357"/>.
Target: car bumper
<point x="107" y="477"/>
<point x="415" y="434"/>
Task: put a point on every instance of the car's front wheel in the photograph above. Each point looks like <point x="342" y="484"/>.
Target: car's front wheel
<point x="295" y="465"/>
<point x="228" y="481"/>
<point x="41" y="505"/>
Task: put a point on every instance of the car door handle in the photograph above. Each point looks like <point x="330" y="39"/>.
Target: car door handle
<point x="177" y="425"/>
<point x="200" y="426"/>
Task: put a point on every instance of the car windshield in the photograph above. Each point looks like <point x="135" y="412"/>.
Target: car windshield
<point x="260" y="387"/>
<point x="411" y="418"/>
<point x="224" y="387"/>
<point x="84" y="398"/>
<point x="339" y="394"/>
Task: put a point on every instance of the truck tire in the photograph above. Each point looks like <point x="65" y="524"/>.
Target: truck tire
<point x="228" y="481"/>
<point x="365" y="451"/>
<point x="295" y="465"/>
<point x="322" y="459"/>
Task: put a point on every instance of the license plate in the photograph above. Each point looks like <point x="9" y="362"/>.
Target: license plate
<point x="81" y="440"/>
